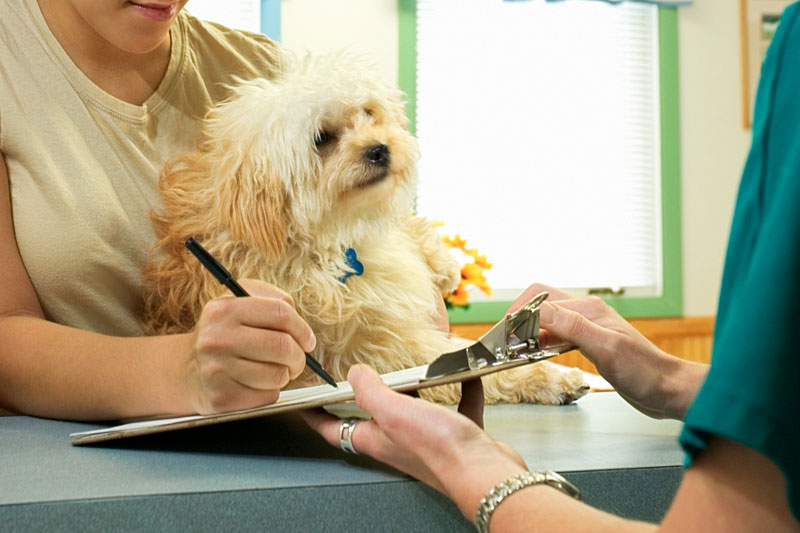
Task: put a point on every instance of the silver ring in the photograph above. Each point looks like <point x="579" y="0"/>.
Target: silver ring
<point x="346" y="431"/>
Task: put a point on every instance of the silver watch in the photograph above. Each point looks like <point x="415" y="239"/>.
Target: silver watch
<point x="505" y="488"/>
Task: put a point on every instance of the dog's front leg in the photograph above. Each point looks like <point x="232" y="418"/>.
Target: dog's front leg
<point x="446" y="270"/>
<point x="539" y="383"/>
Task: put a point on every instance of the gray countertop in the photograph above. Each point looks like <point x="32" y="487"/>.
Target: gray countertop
<point x="275" y="474"/>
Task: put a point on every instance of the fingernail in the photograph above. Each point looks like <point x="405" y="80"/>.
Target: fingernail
<point x="546" y="313"/>
<point x="312" y="341"/>
<point x="354" y="372"/>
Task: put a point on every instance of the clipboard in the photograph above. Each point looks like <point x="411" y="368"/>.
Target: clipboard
<point x="510" y="343"/>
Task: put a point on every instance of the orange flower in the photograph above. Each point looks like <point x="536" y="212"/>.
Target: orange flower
<point x="481" y="261"/>
<point x="455" y="241"/>
<point x="458" y="297"/>
<point x="472" y="273"/>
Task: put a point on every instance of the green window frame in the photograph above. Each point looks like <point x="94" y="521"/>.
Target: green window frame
<point x="670" y="303"/>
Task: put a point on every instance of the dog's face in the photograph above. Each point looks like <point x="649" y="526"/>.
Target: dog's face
<point x="365" y="156"/>
<point x="320" y="154"/>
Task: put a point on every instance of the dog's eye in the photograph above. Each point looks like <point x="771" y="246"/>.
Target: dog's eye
<point x="323" y="137"/>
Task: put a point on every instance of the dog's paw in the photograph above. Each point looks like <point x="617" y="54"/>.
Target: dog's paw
<point x="446" y="270"/>
<point x="540" y="383"/>
<point x="560" y="388"/>
<point x="449" y="277"/>
<point x="573" y="386"/>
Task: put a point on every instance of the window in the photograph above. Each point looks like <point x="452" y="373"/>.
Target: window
<point x="257" y="16"/>
<point x="549" y="136"/>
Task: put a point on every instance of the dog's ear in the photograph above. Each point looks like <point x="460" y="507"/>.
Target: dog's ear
<point x="252" y="202"/>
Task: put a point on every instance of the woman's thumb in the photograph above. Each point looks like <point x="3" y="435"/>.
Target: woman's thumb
<point x="568" y="325"/>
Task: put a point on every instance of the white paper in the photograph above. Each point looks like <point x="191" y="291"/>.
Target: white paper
<point x="399" y="379"/>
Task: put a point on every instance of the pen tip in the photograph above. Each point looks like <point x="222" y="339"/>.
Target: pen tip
<point x="314" y="365"/>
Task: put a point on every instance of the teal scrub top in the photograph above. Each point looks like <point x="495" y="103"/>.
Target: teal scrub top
<point x="752" y="392"/>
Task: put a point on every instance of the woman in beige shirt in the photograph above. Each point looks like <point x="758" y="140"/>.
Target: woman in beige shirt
<point x="94" y="97"/>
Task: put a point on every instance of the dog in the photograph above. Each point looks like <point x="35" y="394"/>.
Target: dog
<point x="308" y="182"/>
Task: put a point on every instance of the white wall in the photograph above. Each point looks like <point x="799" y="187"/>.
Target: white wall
<point x="318" y="26"/>
<point x="713" y="144"/>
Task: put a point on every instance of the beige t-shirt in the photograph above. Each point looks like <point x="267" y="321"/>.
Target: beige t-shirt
<point x="83" y="165"/>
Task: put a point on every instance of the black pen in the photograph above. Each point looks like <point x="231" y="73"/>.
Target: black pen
<point x="226" y="278"/>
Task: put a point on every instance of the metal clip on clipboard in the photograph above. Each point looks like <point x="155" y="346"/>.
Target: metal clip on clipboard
<point x="512" y="341"/>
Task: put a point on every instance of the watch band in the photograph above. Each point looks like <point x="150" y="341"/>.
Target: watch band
<point x="505" y="488"/>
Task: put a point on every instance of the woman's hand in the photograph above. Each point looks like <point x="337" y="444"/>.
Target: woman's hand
<point x="442" y="448"/>
<point x="244" y="350"/>
<point x="656" y="383"/>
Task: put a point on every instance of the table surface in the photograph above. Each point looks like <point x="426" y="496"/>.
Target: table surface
<point x="38" y="465"/>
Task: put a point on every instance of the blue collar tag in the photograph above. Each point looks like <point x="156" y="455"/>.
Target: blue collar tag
<point x="351" y="260"/>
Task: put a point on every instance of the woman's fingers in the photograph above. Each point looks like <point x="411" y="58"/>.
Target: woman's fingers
<point x="246" y="349"/>
<point x="591" y="307"/>
<point x="367" y="438"/>
<point x="396" y="413"/>
<point x="419" y="438"/>
<point x="256" y="287"/>
<point x="533" y="290"/>
<point x="267" y="313"/>
<point x="257" y="375"/>
<point x="571" y="326"/>
<point x="323" y="423"/>
<point x="225" y="395"/>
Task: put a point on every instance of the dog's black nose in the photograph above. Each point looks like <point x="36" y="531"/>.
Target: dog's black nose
<point x="377" y="154"/>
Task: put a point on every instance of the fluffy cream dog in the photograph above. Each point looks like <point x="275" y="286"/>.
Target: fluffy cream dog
<point x="303" y="182"/>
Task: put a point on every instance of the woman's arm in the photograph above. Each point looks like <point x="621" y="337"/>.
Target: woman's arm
<point x="241" y="353"/>
<point x="728" y="488"/>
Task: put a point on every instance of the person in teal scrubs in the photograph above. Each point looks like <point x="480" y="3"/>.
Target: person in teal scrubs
<point x="752" y="392"/>
<point x="742" y="414"/>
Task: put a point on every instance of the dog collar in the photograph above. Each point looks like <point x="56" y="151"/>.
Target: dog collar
<point x="351" y="260"/>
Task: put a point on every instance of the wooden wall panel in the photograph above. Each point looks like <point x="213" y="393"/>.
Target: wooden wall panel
<point x="686" y="337"/>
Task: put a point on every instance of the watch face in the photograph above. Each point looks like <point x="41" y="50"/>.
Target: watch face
<point x="554" y="479"/>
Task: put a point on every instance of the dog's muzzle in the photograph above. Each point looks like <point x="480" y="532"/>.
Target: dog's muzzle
<point x="378" y="155"/>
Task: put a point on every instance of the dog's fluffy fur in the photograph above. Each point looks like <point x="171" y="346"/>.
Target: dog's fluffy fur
<point x="291" y="173"/>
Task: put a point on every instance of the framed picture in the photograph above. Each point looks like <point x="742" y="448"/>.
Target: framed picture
<point x="759" y="20"/>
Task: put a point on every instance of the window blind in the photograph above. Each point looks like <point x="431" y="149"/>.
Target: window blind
<point x="238" y="14"/>
<point x="538" y="125"/>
